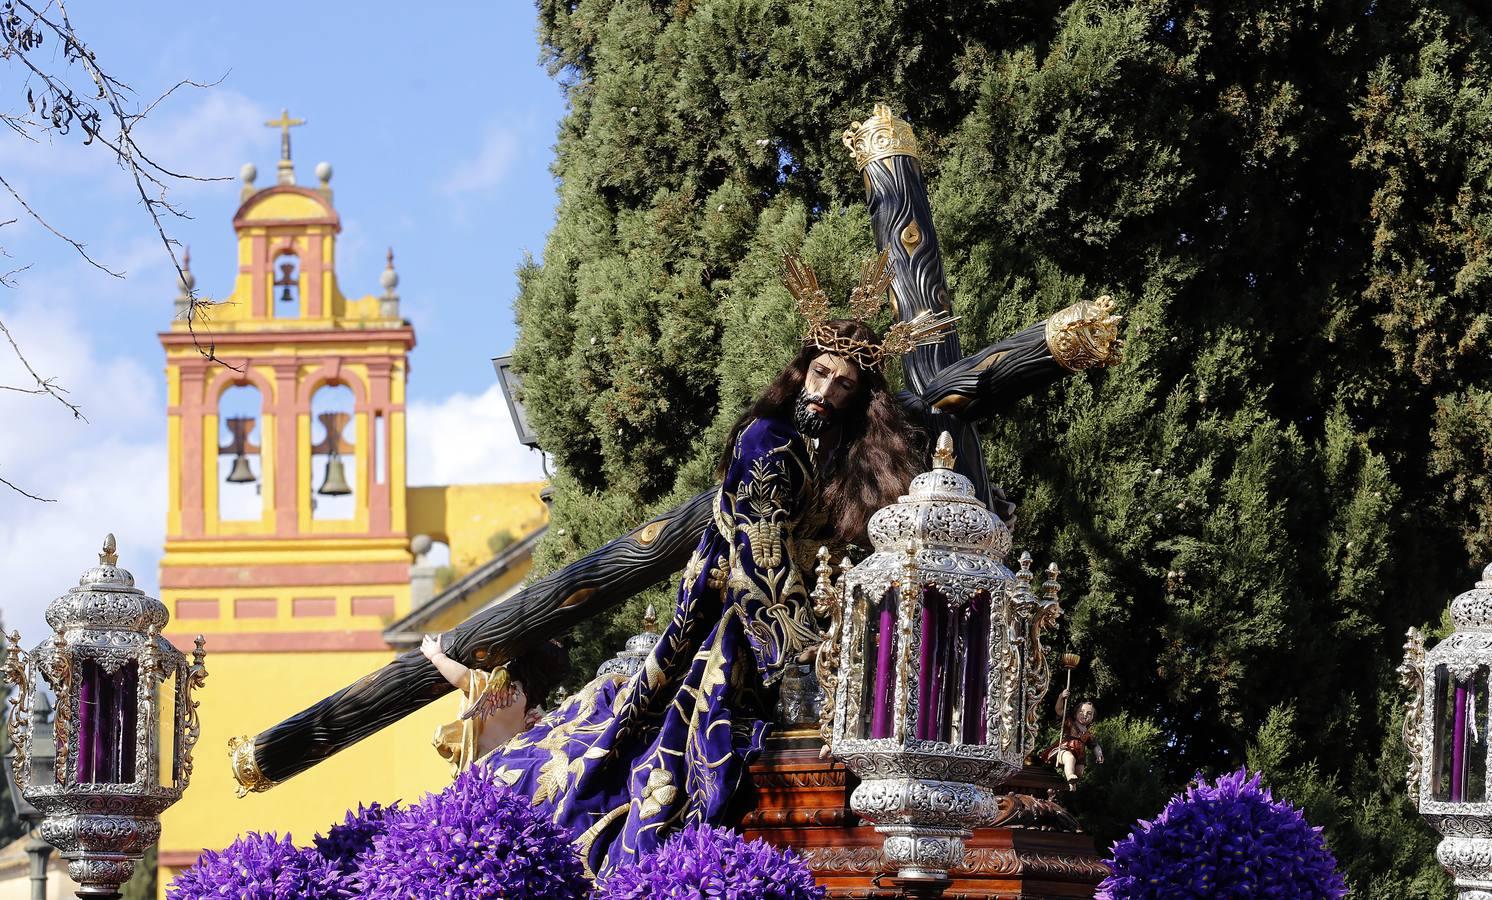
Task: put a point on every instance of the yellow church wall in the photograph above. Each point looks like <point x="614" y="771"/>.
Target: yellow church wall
<point x="173" y="482"/>
<point x="457" y="613"/>
<point x="248" y="692"/>
<point x="296" y="610"/>
<point x="288" y="551"/>
<point x="465" y="516"/>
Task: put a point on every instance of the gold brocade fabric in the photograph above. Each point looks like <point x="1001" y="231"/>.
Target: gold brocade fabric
<point x="457" y="741"/>
<point x="627" y="761"/>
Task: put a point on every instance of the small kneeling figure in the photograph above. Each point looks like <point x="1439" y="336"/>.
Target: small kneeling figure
<point x="496" y="706"/>
<point x="1071" y="753"/>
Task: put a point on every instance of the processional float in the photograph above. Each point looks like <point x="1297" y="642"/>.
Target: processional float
<point x="946" y="391"/>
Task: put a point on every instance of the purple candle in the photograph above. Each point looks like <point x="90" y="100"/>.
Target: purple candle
<point x="107" y="707"/>
<point x="952" y="638"/>
<point x="87" y="719"/>
<point x="1458" y="747"/>
<point x="126" y="710"/>
<point x="976" y="669"/>
<point x="927" y="703"/>
<point x="880" y="721"/>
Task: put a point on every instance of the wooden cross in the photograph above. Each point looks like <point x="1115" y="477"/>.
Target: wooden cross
<point x="950" y="390"/>
<point x="284" y="123"/>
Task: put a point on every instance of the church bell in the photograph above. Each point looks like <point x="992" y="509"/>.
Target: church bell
<point x="335" y="483"/>
<point x="241" y="473"/>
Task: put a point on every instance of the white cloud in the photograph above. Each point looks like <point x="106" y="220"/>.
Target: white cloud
<point x="467" y="439"/>
<point x="210" y="137"/>
<point x="105" y="475"/>
<point x="116" y="394"/>
<point x="203" y="133"/>
<point x="485" y="171"/>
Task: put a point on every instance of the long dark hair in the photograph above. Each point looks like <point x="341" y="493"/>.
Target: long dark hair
<point x="879" y="450"/>
<point x="539" y="670"/>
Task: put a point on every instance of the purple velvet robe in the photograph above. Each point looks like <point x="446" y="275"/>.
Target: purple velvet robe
<point x="626" y="762"/>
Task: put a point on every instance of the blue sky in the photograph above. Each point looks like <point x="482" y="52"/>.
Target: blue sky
<point x="439" y="127"/>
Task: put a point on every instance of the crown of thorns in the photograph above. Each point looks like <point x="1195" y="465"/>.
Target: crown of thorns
<point x="927" y="327"/>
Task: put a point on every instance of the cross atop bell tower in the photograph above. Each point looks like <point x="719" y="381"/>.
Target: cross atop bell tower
<point x="285" y="123"/>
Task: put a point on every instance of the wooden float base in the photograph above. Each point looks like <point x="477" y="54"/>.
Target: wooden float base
<point x="1035" y="851"/>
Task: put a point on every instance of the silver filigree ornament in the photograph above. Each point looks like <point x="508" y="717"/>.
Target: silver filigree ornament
<point x="115" y="678"/>
<point x="1446" y="724"/>
<point x="629" y="660"/>
<point x="938" y="661"/>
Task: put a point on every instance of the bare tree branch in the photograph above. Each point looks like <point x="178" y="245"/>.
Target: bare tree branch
<point x="48" y="226"/>
<point x="26" y="494"/>
<point x="56" y="107"/>
<point x="43" y="385"/>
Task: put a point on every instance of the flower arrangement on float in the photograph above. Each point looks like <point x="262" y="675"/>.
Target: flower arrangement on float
<point x="260" y="867"/>
<point x="479" y="840"/>
<point x="475" y="840"/>
<point x="705" y="861"/>
<point x="1230" y="838"/>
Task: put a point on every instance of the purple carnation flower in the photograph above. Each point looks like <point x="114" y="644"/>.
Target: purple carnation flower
<point x="1231" y="839"/>
<point x="475" y="840"/>
<point x="703" y="861"/>
<point x="346" y="841"/>
<point x="259" y="867"/>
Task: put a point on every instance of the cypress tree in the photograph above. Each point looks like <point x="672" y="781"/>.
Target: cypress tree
<point x="1288" y="199"/>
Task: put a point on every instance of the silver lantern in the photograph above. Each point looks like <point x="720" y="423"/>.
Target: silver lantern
<point x="116" y="680"/>
<point x="937" y="673"/>
<point x="1445" y="730"/>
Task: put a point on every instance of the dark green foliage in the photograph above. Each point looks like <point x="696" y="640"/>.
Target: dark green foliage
<point x="1289" y="200"/>
<point x="142" y="884"/>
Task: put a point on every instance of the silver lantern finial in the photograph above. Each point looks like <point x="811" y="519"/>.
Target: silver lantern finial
<point x="1445" y="727"/>
<point x="938" y="658"/>
<point x="629" y="660"/>
<point x="115" y="678"/>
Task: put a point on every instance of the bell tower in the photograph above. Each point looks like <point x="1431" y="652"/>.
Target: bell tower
<point x="290" y="526"/>
<point x="286" y="520"/>
<point x="287" y="539"/>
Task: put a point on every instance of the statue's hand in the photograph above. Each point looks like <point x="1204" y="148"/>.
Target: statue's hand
<point x="1098" y="754"/>
<point x="430" y="646"/>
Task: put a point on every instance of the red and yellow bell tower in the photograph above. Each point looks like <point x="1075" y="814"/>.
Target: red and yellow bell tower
<point x="287" y="540"/>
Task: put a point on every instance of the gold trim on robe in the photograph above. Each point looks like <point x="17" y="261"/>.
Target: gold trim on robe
<point x="457" y="741"/>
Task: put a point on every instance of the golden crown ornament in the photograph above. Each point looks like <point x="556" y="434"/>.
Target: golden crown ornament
<point x="881" y="136"/>
<point x="928" y="327"/>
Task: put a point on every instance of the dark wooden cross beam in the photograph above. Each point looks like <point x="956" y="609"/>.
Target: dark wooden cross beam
<point x="948" y="390"/>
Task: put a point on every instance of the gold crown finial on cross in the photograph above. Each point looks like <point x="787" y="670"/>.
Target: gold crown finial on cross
<point x="285" y="123"/>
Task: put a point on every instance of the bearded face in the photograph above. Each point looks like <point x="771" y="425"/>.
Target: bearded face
<point x="811" y="421"/>
<point x="830" y="383"/>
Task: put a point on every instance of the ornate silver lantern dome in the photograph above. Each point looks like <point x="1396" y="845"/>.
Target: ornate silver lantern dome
<point x="114" y="677"/>
<point x="1445" y="729"/>
<point x="940" y="669"/>
<point x="629" y="660"/>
